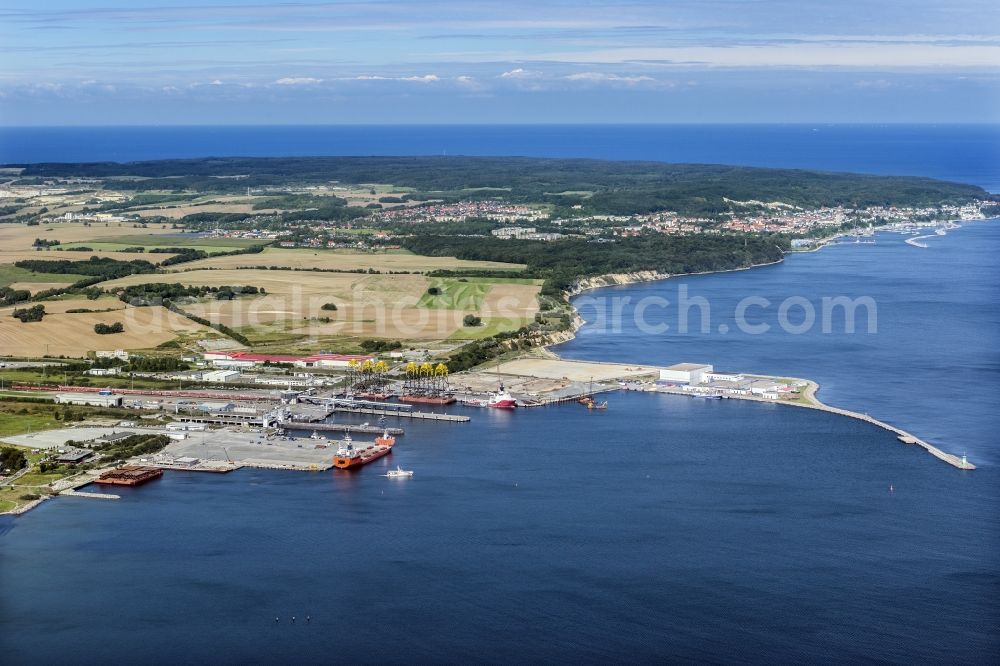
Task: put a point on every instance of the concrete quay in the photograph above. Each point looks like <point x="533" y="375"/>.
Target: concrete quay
<point x="374" y="411"/>
<point x="339" y="427"/>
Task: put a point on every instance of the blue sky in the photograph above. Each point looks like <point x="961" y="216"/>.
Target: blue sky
<point x="68" y="62"/>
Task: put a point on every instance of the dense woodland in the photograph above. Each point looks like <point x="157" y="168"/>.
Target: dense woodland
<point x="560" y="264"/>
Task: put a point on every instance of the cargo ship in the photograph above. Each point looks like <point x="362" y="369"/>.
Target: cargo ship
<point x="129" y="475"/>
<point x="428" y="399"/>
<point x="348" y="456"/>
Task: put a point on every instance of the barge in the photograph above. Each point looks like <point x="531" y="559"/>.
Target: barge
<point x="129" y="475"/>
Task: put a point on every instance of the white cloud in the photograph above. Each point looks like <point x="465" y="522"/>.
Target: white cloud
<point x="599" y="77"/>
<point x="426" y="78"/>
<point x="298" y="81"/>
<point x="520" y="73"/>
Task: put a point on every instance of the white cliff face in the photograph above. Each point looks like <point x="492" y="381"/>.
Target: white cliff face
<point x="612" y="279"/>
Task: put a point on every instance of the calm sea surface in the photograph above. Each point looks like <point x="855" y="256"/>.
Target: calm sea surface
<point x="964" y="153"/>
<point x="665" y="528"/>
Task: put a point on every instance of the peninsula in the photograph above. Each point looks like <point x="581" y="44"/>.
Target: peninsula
<point x="363" y="278"/>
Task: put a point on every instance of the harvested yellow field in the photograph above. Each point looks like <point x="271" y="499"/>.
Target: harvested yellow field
<point x="175" y="213"/>
<point x="372" y="306"/>
<point x="59" y="306"/>
<point x="73" y="334"/>
<point x="35" y="287"/>
<point x="346" y="260"/>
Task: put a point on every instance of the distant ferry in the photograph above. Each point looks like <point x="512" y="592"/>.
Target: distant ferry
<point x="348" y="456"/>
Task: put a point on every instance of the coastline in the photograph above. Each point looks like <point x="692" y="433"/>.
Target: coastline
<point x="584" y="285"/>
<point x="621" y="279"/>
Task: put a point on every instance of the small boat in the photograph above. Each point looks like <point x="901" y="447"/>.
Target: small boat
<point x="399" y="473"/>
<point x="597" y="405"/>
<point x="317" y="436"/>
<point x="708" y="396"/>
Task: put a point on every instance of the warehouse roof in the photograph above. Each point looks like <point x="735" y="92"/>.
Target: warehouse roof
<point x="687" y="367"/>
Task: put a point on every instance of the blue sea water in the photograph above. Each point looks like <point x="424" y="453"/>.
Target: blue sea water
<point x="925" y="355"/>
<point x="964" y="153"/>
<point x="664" y="529"/>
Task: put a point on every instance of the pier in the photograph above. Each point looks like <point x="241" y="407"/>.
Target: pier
<point x="338" y="427"/>
<point x="381" y="411"/>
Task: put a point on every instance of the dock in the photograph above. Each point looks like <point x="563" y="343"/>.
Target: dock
<point x="339" y="427"/>
<point x="381" y="411"/>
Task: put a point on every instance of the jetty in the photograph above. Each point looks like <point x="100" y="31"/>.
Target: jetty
<point x="82" y="493"/>
<point x="961" y="462"/>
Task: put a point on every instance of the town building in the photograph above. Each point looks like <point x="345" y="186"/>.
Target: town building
<point x="92" y="399"/>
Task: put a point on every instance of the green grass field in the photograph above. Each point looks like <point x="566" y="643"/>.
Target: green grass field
<point x="9" y="274"/>
<point x="455" y="295"/>
<point x="491" y="326"/>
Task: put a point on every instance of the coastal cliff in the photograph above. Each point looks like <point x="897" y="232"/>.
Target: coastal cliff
<point x="612" y="279"/>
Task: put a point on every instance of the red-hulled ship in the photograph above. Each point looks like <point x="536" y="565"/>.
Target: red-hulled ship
<point x="502" y="399"/>
<point x="348" y="456"/>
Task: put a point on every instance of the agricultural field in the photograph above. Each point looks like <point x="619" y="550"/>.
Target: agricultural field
<point x="16" y="241"/>
<point x="346" y="260"/>
<point x="368" y="306"/>
<point x="173" y="239"/>
<point x="72" y="334"/>
<point x="209" y="204"/>
<point x="20" y="278"/>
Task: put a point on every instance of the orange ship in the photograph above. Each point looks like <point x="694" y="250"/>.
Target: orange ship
<point x="348" y="456"/>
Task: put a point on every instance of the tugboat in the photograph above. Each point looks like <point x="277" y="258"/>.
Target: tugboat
<point x="502" y="399"/>
<point x="348" y="456"/>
